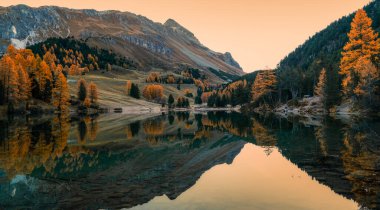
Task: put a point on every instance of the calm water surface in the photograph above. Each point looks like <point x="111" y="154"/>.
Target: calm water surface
<point x="213" y="160"/>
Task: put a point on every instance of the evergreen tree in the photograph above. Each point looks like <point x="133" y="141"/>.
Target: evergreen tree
<point x="170" y="100"/>
<point x="224" y="101"/>
<point x="332" y="89"/>
<point x="211" y="102"/>
<point x="82" y="90"/>
<point x="135" y="91"/>
<point x="198" y="100"/>
<point x="186" y="103"/>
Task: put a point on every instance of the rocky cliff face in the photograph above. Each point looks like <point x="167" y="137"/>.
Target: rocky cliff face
<point x="151" y="44"/>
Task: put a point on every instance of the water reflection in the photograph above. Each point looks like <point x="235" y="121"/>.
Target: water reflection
<point x="116" y="161"/>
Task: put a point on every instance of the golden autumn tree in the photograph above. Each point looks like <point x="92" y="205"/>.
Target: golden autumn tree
<point x="11" y="51"/>
<point x="320" y="88"/>
<point x="14" y="77"/>
<point x="368" y="78"/>
<point x="25" y="86"/>
<point x="198" y="83"/>
<point x="87" y="103"/>
<point x="154" y="127"/>
<point x="188" y="93"/>
<point x="9" y="80"/>
<point x="153" y="92"/>
<point x="363" y="44"/>
<point x="170" y="79"/>
<point x="50" y="60"/>
<point x="205" y="96"/>
<point x="74" y="70"/>
<point x="59" y="69"/>
<point x="61" y="95"/>
<point x="44" y="76"/>
<point x="128" y="86"/>
<point x="93" y="93"/>
<point x="153" y="77"/>
<point x="264" y="86"/>
<point x="31" y="63"/>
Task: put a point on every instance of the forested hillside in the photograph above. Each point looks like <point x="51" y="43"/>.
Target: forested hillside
<point x="71" y="51"/>
<point x="337" y="70"/>
<point x="323" y="50"/>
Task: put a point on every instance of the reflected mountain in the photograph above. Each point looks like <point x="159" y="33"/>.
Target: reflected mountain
<point x="116" y="161"/>
<point x="155" y="158"/>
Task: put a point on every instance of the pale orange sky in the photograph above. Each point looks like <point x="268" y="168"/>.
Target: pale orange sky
<point x="258" y="33"/>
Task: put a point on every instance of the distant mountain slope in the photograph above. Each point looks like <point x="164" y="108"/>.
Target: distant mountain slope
<point x="324" y="48"/>
<point x="146" y="42"/>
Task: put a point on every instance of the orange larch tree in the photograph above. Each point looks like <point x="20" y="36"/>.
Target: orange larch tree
<point x="153" y="92"/>
<point x="9" y="80"/>
<point x="93" y="93"/>
<point x="264" y="86"/>
<point x="25" y="86"/>
<point x="128" y="87"/>
<point x="363" y="44"/>
<point x="369" y="76"/>
<point x="320" y="88"/>
<point x="61" y="95"/>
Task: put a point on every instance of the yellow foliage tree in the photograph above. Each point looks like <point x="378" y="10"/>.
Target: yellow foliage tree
<point x="50" y="60"/>
<point x="363" y="44"/>
<point x="153" y="92"/>
<point x="171" y="79"/>
<point x="93" y="93"/>
<point x="24" y="83"/>
<point x="9" y="79"/>
<point x="153" y="77"/>
<point x="320" y="89"/>
<point x="14" y="78"/>
<point x="43" y="75"/>
<point x="188" y="93"/>
<point x="368" y="77"/>
<point x="128" y="87"/>
<point x="61" y="95"/>
<point x="87" y="103"/>
<point x="264" y="85"/>
<point x="205" y="96"/>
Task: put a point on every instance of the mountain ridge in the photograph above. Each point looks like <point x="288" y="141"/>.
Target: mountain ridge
<point x="152" y="44"/>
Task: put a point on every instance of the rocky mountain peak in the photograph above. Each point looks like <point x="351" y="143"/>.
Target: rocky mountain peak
<point x="176" y="27"/>
<point x="148" y="43"/>
<point x="227" y="57"/>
